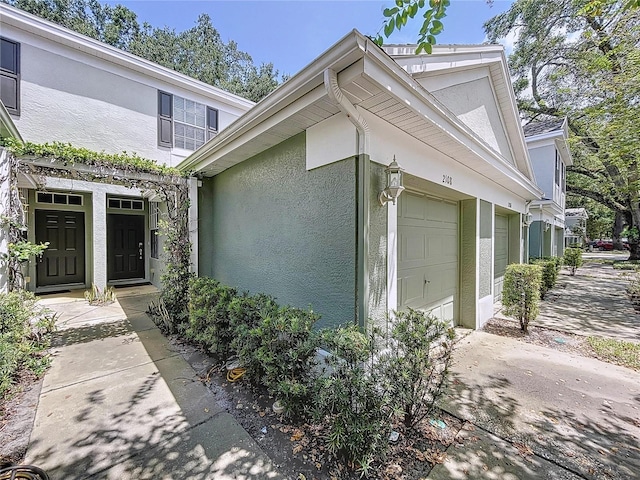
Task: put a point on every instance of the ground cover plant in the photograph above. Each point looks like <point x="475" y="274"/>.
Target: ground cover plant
<point x="25" y="332"/>
<point x="615" y="351"/>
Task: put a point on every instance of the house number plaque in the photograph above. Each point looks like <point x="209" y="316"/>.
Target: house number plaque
<point x="447" y="179"/>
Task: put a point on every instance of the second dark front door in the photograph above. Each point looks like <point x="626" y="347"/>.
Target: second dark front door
<point x="125" y="246"/>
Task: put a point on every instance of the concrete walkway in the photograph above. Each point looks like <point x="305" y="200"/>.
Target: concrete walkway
<point x="119" y="403"/>
<point x="539" y="413"/>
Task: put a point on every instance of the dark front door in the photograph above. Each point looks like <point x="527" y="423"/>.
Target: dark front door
<point x="125" y="246"/>
<point x="63" y="261"/>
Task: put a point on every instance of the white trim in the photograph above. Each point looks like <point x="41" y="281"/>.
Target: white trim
<point x="392" y="257"/>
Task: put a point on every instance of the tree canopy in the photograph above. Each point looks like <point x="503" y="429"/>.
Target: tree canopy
<point x="198" y="52"/>
<point x="581" y="59"/>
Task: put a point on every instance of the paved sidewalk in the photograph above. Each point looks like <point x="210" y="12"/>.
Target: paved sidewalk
<point x="119" y="403"/>
<point x="534" y="412"/>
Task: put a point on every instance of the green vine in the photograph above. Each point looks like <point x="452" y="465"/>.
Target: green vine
<point x="119" y="169"/>
<point x="68" y="154"/>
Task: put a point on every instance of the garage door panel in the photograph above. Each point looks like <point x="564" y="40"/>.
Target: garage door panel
<point x="411" y="288"/>
<point x="413" y="210"/>
<point x="428" y="255"/>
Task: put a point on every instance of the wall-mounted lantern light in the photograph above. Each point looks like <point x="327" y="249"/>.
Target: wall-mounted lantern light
<point x="394" y="183"/>
<point x="547" y="225"/>
<point x="527" y="219"/>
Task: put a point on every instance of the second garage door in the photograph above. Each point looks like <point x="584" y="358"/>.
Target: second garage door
<point x="428" y="255"/>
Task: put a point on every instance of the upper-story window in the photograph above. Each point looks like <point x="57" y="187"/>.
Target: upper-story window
<point x="183" y="123"/>
<point x="558" y="169"/>
<point x="10" y="75"/>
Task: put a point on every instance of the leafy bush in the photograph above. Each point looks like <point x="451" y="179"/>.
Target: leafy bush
<point x="573" y="259"/>
<point x="549" y="274"/>
<point x="286" y="355"/>
<point x="348" y="402"/>
<point x="416" y="363"/>
<point x="24" y="333"/>
<point x="245" y="315"/>
<point x="209" y="323"/>
<point x="521" y="292"/>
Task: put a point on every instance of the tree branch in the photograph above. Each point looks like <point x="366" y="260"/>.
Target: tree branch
<point x="598" y="197"/>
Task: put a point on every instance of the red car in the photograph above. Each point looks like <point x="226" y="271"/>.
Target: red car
<point x="607" y="245"/>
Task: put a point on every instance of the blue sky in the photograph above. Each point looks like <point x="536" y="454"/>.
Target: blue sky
<point x="292" y="33"/>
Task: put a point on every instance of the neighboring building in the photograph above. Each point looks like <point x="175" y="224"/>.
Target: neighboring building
<point x="550" y="157"/>
<point x="575" y="229"/>
<point x="58" y="85"/>
<point x="289" y="203"/>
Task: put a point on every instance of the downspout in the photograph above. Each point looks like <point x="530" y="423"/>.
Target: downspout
<point x="363" y="186"/>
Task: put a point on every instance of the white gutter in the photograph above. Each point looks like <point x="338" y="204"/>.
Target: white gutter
<point x="363" y="186"/>
<point x="337" y="97"/>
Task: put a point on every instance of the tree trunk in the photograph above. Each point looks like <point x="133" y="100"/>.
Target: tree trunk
<point x="618" y="226"/>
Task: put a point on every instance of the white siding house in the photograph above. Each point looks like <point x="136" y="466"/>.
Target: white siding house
<point x="58" y="85"/>
<point x="550" y="157"/>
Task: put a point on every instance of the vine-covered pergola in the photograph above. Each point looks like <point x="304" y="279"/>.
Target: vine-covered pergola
<point x="57" y="160"/>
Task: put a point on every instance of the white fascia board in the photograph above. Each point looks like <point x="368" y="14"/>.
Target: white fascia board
<point x="7" y="127"/>
<point x="399" y="84"/>
<point x="516" y="127"/>
<point x="48" y="30"/>
<point x="308" y="81"/>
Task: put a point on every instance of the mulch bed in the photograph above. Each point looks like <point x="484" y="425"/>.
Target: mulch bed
<point x="545" y="337"/>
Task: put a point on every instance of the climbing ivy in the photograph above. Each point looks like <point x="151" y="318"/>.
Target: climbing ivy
<point x="67" y="154"/>
<point x="129" y="170"/>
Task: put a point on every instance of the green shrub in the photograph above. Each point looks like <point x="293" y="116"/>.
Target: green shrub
<point x="416" y="362"/>
<point x="25" y="332"/>
<point x="521" y="292"/>
<point x="349" y="404"/>
<point x="573" y="259"/>
<point x="549" y="274"/>
<point x="245" y="315"/>
<point x="285" y="356"/>
<point x="209" y="324"/>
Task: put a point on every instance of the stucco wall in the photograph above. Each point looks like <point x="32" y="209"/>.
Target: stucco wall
<point x="473" y="102"/>
<point x="468" y="262"/>
<point x="70" y="96"/>
<point x="536" y="231"/>
<point x="486" y="249"/>
<point x="268" y="225"/>
<point x="543" y="161"/>
<point x="377" y="248"/>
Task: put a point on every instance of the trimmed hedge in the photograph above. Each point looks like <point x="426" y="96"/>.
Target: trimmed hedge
<point x="521" y="292"/>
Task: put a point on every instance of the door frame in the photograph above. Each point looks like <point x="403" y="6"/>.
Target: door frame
<point x="85" y="208"/>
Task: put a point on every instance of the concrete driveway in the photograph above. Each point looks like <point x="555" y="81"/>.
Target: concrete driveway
<point x="541" y="412"/>
<point x="536" y="412"/>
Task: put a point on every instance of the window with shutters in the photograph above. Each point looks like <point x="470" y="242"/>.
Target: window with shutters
<point x="184" y="123"/>
<point x="10" y="75"/>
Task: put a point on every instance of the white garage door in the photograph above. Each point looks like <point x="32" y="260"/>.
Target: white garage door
<point x="501" y="255"/>
<point x="428" y="255"/>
